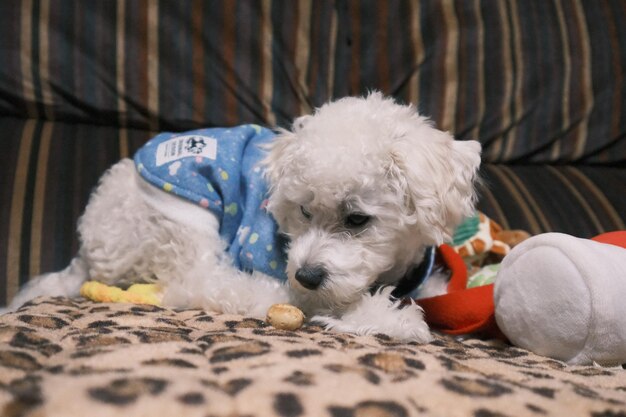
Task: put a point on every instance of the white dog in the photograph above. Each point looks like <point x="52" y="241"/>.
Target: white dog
<point x="361" y="188"/>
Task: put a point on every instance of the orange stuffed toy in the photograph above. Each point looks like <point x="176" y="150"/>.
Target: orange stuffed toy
<point x="462" y="310"/>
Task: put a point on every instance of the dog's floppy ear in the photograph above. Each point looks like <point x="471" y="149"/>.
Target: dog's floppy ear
<point x="278" y="156"/>
<point x="279" y="150"/>
<point x="437" y="175"/>
<point x="278" y="168"/>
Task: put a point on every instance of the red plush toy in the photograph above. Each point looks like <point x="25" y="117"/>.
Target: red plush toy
<point x="462" y="310"/>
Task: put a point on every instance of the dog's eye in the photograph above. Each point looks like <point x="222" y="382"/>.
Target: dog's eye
<point x="357" y="219"/>
<point x="305" y="213"/>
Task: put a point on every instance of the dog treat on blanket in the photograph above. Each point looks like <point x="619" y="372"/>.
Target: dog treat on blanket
<point x="136" y="294"/>
<point x="285" y="317"/>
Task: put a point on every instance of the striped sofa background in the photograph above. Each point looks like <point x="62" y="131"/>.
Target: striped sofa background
<point x="82" y="84"/>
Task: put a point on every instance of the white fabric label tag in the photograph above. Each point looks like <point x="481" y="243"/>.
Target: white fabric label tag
<point x="184" y="146"/>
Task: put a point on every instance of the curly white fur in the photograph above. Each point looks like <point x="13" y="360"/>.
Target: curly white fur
<point x="355" y="156"/>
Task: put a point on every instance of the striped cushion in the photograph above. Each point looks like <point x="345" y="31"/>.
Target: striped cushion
<point x="535" y="81"/>
<point x="580" y="200"/>
<point x="85" y="83"/>
<point x="47" y="171"/>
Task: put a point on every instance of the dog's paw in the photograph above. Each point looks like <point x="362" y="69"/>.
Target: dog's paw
<point x="378" y="314"/>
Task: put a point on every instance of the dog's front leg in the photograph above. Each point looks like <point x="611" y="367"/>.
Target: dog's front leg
<point x="379" y="314"/>
<point x="214" y="284"/>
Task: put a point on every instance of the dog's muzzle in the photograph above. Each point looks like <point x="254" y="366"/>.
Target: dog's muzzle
<point x="311" y="277"/>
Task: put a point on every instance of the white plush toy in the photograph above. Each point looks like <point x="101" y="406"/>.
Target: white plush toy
<point x="565" y="297"/>
<point x="554" y="294"/>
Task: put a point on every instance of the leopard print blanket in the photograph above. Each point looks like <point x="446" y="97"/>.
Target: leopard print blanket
<point x="62" y="357"/>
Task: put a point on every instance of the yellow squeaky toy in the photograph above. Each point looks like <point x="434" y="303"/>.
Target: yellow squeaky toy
<point x="135" y="294"/>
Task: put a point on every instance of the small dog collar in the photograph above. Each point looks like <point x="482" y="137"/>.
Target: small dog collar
<point x="416" y="276"/>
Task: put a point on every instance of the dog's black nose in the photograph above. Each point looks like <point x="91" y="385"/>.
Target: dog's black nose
<point x="311" y="276"/>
